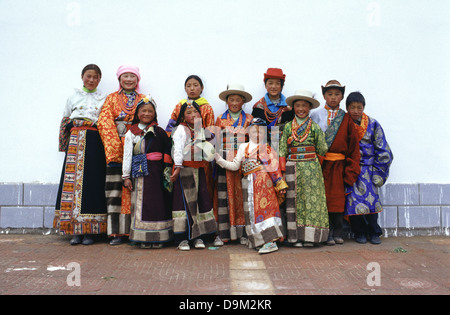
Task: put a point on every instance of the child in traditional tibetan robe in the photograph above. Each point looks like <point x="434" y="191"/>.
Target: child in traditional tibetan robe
<point x="146" y="169"/>
<point x="362" y="201"/>
<point x="193" y="86"/>
<point x="194" y="89"/>
<point x="301" y="144"/>
<point x="263" y="188"/>
<point x="340" y="166"/>
<point x="231" y="133"/>
<point x="272" y="108"/>
<point x="193" y="213"/>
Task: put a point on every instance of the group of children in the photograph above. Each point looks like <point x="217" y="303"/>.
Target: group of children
<point x="279" y="174"/>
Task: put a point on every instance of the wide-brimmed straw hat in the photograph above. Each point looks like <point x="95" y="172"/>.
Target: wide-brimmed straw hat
<point x="235" y="88"/>
<point x="333" y="84"/>
<point x="305" y="95"/>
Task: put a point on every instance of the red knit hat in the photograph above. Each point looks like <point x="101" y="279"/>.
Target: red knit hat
<point x="274" y="73"/>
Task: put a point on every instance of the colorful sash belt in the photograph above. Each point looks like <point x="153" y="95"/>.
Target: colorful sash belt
<point x="307" y="153"/>
<point x="154" y="156"/>
<point x="302" y="149"/>
<point x="84" y="128"/>
<point x="334" y="156"/>
<point x="301" y="157"/>
<point x="195" y="164"/>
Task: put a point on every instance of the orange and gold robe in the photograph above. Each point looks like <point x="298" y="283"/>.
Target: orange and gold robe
<point x="228" y="196"/>
<point x="261" y="183"/>
<point x="114" y="121"/>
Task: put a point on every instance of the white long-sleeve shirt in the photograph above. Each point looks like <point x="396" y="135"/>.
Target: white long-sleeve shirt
<point x="240" y="156"/>
<point x="86" y="105"/>
<point x="180" y="138"/>
<point x="130" y="140"/>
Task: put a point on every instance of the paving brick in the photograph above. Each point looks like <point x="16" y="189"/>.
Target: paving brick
<point x="36" y="264"/>
<point x="39" y="194"/>
<point x="22" y="217"/>
<point x="399" y="194"/>
<point x="11" y="194"/>
<point x="419" y="217"/>
<point x="435" y="194"/>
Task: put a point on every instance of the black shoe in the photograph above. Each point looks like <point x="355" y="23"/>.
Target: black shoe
<point x="361" y="239"/>
<point x="330" y="241"/>
<point x="116" y="241"/>
<point x="87" y="240"/>
<point x="375" y="239"/>
<point x="75" y="240"/>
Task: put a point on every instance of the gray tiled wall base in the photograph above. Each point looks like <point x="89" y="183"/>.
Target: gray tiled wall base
<point x="27" y="207"/>
<point x="409" y="209"/>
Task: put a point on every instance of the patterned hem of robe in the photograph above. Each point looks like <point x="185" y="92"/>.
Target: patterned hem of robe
<point x="269" y="229"/>
<point x="80" y="205"/>
<point x="296" y="230"/>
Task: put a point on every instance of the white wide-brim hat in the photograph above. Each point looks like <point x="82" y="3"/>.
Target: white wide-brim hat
<point x="303" y="95"/>
<point x="234" y="88"/>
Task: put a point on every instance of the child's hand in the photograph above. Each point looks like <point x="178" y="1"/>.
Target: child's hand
<point x="283" y="191"/>
<point x="175" y="174"/>
<point x="128" y="184"/>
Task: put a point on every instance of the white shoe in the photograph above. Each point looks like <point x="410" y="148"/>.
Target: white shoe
<point x="184" y="245"/>
<point x="268" y="248"/>
<point x="244" y="240"/>
<point x="199" y="244"/>
<point x="218" y="241"/>
<point x="298" y="244"/>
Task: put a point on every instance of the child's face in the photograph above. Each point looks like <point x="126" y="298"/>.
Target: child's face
<point x="91" y="79"/>
<point x="333" y="97"/>
<point x="355" y="110"/>
<point x="146" y="114"/>
<point x="190" y="115"/>
<point x="257" y="134"/>
<point x="128" y="81"/>
<point x="302" y="108"/>
<point x="235" y="103"/>
<point x="273" y="87"/>
<point x="193" y="89"/>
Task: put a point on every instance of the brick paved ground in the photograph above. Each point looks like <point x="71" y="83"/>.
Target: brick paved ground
<point x="36" y="265"/>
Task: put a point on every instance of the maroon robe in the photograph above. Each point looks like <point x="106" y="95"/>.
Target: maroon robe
<point x="338" y="173"/>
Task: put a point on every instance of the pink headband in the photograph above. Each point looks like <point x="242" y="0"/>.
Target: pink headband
<point x="131" y="69"/>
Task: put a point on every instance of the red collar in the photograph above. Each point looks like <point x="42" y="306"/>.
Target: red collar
<point x="140" y="132"/>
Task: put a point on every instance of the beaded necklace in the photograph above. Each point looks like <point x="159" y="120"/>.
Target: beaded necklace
<point x="130" y="106"/>
<point x="270" y="117"/>
<point x="302" y="131"/>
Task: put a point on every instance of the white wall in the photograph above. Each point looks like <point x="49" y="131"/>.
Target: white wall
<point x="395" y="52"/>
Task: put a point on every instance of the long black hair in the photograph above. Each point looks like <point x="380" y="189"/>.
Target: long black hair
<point x="180" y="118"/>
